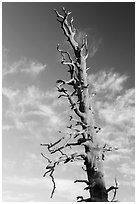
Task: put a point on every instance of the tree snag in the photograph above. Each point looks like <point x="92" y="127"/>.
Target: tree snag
<point x="83" y="129"/>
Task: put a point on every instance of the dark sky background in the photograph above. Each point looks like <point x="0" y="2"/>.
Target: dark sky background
<point x="31" y="30"/>
<point x="33" y="115"/>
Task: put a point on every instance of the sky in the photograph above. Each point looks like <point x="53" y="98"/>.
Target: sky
<point x="31" y="112"/>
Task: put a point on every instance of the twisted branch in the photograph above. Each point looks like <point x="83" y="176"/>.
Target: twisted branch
<point x="81" y="181"/>
<point x="81" y="199"/>
<point x="69" y="30"/>
<point x="49" y="145"/>
<point x="52" y="164"/>
<point x="115" y="190"/>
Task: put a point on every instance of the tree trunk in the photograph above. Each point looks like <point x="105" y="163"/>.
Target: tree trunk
<point x="93" y="158"/>
<point x="80" y="102"/>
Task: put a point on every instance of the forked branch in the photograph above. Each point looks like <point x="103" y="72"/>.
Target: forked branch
<point x="115" y="191"/>
<point x="69" y="30"/>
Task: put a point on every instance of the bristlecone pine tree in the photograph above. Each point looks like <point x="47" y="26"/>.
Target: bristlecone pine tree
<point x="82" y="129"/>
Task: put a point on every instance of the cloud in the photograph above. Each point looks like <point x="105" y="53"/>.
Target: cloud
<point x="9" y="93"/>
<point x="25" y="104"/>
<point x="9" y="196"/>
<point x="120" y="112"/>
<point x="126" y="169"/>
<point x="112" y="157"/>
<point x="128" y="183"/>
<point x="7" y="127"/>
<point x="8" y="164"/>
<point x="37" y="112"/>
<point x="114" y="104"/>
<point x="107" y="81"/>
<point x="79" y="36"/>
<point x="65" y="189"/>
<point x="115" y="114"/>
<point x="23" y="181"/>
<point x="33" y="68"/>
<point x="32" y="162"/>
<point x="94" y="46"/>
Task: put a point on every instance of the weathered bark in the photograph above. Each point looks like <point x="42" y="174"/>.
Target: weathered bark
<point x="93" y="163"/>
<point x="79" y="100"/>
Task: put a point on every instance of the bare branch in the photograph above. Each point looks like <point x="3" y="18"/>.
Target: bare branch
<point x="111" y="188"/>
<point x="58" y="15"/>
<point x="65" y="52"/>
<point x="82" y="181"/>
<point x="46" y="172"/>
<point x="115" y="190"/>
<point x="55" y="143"/>
<point x="68" y="30"/>
<point x="46" y="158"/>
<point x="63" y="82"/>
<point x="73" y="104"/>
<point x="66" y="145"/>
<point x="52" y="178"/>
<point x="88" y="68"/>
<point x="51" y="166"/>
<point x="66" y="12"/>
<point x="83" y="132"/>
<point x="75" y="108"/>
<point x="81" y="199"/>
<point x="62" y="90"/>
<point x="83" y="169"/>
<point x="109" y="149"/>
<point x="78" y="122"/>
<point x="53" y="181"/>
<point x="52" y="144"/>
<point x="70" y="136"/>
<point x="63" y="154"/>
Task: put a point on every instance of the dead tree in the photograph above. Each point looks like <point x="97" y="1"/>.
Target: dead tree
<point x="82" y="129"/>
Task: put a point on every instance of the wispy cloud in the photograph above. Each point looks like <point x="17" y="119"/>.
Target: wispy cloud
<point x="25" y="104"/>
<point x="126" y="169"/>
<point x="94" y="46"/>
<point x="127" y="183"/>
<point x="119" y="113"/>
<point x="7" y="127"/>
<point x="39" y="113"/>
<point x="107" y="81"/>
<point x="33" y="68"/>
<point x="115" y="109"/>
<point x="9" y="93"/>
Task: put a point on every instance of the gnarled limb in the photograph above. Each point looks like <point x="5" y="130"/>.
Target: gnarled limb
<point x="63" y="82"/>
<point x="50" y="145"/>
<point x="69" y="30"/>
<point x="81" y="199"/>
<point x="65" y="52"/>
<point x="46" y="158"/>
<point x="81" y="181"/>
<point x="51" y="171"/>
<point x="62" y="147"/>
<point x="115" y="190"/>
<point x="111" y="188"/>
<point x="78" y="122"/>
<point x="52" y="164"/>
